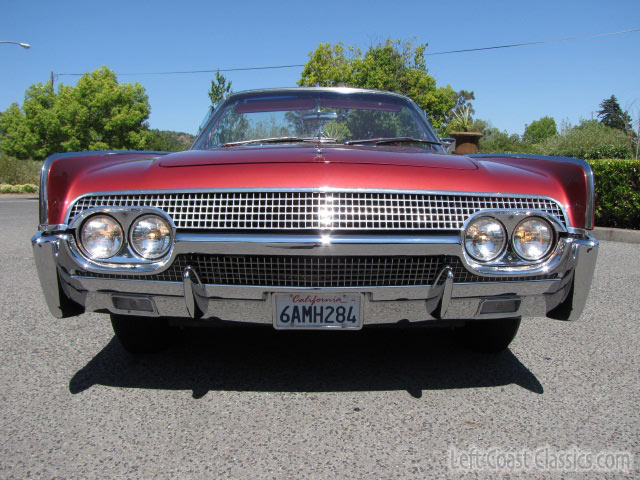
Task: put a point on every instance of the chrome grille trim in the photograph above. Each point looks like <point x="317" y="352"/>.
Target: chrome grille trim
<point x="318" y="209"/>
<point x="317" y="271"/>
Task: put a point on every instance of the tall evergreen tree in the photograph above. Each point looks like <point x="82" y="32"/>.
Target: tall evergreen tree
<point x="611" y="114"/>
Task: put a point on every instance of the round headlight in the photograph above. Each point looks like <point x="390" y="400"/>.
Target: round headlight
<point x="533" y="238"/>
<point x="150" y="236"/>
<point x="485" y="239"/>
<point x="101" y="237"/>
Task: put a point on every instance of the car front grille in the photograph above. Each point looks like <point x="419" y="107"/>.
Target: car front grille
<point x="318" y="210"/>
<point x="316" y="271"/>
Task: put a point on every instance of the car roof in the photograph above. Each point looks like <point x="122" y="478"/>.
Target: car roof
<point x="344" y="90"/>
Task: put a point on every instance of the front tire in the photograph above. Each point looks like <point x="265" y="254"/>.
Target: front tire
<point x="141" y="334"/>
<point x="489" y="336"/>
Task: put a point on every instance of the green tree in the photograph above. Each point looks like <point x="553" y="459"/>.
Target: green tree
<point x="394" y="65"/>
<point x="540" y="130"/>
<point x="220" y="88"/>
<point x="611" y="114"/>
<point x="98" y="113"/>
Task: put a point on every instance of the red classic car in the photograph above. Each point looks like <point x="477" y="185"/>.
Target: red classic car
<point x="315" y="208"/>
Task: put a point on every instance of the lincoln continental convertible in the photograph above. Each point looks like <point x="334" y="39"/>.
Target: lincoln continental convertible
<point x="315" y="209"/>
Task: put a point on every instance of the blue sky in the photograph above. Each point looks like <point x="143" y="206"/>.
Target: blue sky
<point x="512" y="86"/>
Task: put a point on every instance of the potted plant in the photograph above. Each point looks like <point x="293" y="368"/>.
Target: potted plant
<point x="461" y="129"/>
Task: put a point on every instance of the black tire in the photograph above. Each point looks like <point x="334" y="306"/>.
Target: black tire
<point x="141" y="334"/>
<point x="489" y="336"/>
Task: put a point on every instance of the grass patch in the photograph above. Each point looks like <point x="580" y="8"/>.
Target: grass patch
<point x="19" y="172"/>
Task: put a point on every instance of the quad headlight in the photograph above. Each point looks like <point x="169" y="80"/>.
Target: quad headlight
<point x="532" y="239"/>
<point x="485" y="239"/>
<point x="150" y="236"/>
<point x="101" y="237"/>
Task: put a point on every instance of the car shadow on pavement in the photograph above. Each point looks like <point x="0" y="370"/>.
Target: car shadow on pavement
<point x="262" y="359"/>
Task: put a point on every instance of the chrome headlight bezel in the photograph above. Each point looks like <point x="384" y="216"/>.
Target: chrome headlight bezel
<point x="509" y="262"/>
<point x="167" y="240"/>
<point x="118" y="237"/>
<point x="126" y="257"/>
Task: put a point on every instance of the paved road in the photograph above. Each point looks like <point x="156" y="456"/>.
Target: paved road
<point x="254" y="403"/>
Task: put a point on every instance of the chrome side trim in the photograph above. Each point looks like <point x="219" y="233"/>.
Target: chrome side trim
<point x="589" y="210"/>
<point x="46" y="166"/>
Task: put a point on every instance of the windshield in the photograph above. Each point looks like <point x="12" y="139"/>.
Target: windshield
<point x="325" y="116"/>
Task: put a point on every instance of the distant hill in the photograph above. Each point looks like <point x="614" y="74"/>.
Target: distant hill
<point x="166" y="140"/>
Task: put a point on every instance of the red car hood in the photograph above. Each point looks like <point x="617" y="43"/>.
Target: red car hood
<point x="289" y="167"/>
<point x="411" y="157"/>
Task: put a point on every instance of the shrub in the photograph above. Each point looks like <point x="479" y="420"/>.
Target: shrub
<point x="590" y="140"/>
<point x="14" y="171"/>
<point x="617" y="193"/>
<point x="27" y="188"/>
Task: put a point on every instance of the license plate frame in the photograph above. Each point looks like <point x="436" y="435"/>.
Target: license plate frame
<point x="314" y="300"/>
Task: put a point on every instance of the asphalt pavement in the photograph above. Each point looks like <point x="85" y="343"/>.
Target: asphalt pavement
<point x="256" y="403"/>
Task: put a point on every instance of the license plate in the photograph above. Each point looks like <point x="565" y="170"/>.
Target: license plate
<point x="300" y="311"/>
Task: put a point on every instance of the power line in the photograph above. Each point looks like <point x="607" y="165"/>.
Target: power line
<point x="273" y="67"/>
<point x="567" y="39"/>
<point x="199" y="71"/>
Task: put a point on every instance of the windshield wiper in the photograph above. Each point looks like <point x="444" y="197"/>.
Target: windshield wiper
<point x="279" y="140"/>
<point x="385" y="140"/>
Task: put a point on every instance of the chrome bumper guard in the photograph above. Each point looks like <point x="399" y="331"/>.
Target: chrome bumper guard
<point x="68" y="292"/>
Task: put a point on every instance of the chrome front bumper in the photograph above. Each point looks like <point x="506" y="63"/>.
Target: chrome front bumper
<point x="68" y="292"/>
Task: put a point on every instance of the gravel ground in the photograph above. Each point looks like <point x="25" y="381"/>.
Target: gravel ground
<point x="254" y="403"/>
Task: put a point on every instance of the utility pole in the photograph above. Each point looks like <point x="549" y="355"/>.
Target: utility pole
<point x="51" y="80"/>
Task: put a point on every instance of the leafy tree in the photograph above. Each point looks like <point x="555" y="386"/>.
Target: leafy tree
<point x="495" y="141"/>
<point x="611" y="114"/>
<point x="394" y="65"/>
<point x="98" y="113"/>
<point x="540" y="130"/>
<point x="220" y="88"/>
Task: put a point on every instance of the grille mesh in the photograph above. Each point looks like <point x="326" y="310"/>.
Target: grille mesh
<point x="311" y="271"/>
<point x="351" y="211"/>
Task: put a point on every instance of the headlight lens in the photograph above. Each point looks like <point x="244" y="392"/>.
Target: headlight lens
<point x="150" y="236"/>
<point x="533" y="238"/>
<point x="485" y="238"/>
<point x="101" y="237"/>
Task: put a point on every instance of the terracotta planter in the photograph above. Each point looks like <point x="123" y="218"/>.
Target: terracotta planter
<point x="466" y="142"/>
